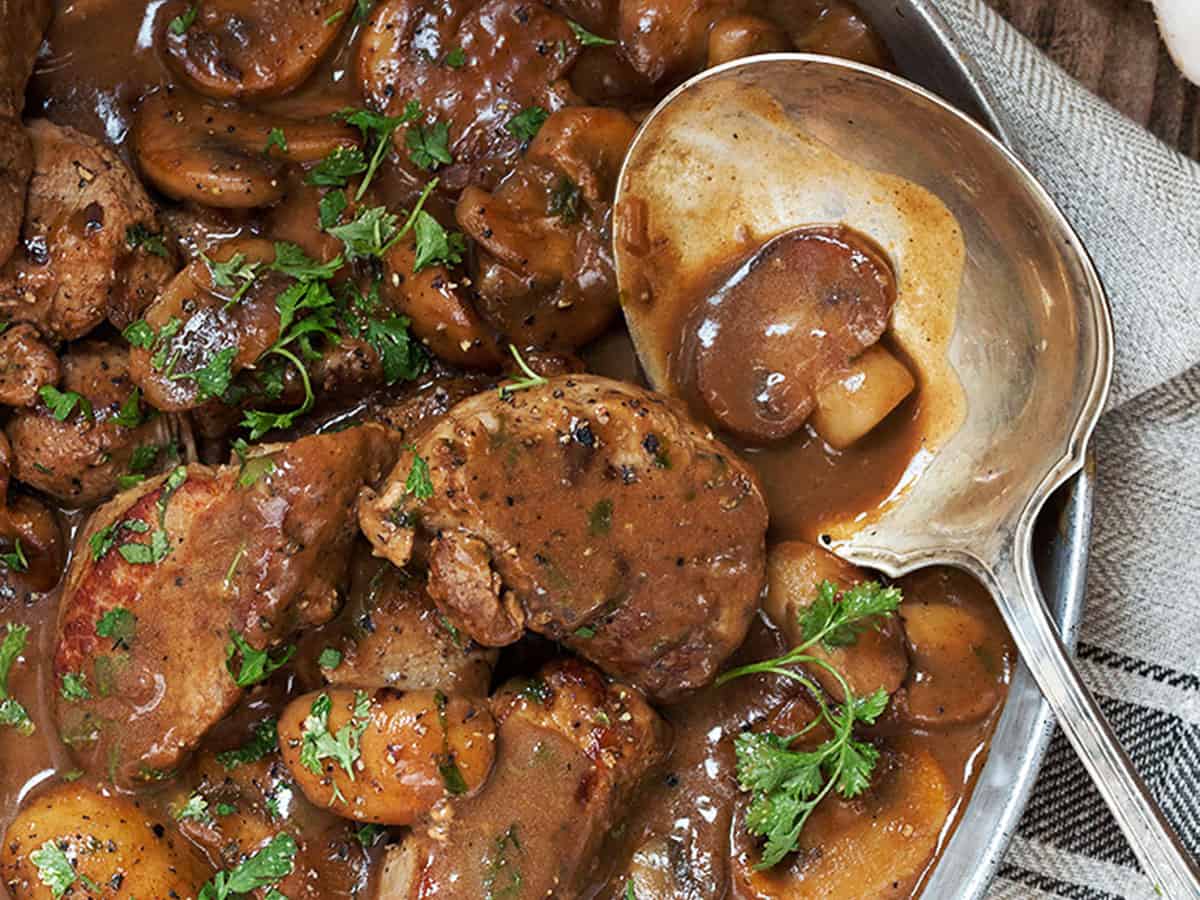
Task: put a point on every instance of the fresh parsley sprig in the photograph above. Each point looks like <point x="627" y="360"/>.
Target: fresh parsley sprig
<point x="264" y="869"/>
<point x="786" y="785"/>
<point x="530" y="379"/>
<point x="317" y="742"/>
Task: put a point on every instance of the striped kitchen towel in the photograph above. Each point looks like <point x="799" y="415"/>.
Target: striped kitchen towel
<point x="1136" y="205"/>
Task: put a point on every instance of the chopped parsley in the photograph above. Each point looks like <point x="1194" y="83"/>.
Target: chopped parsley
<point x="330" y="658"/>
<point x="255" y="665"/>
<point x="130" y="414"/>
<point x="377" y="131"/>
<point x="369" y="234"/>
<point x="120" y="625"/>
<point x="330" y="208"/>
<point x="140" y="334"/>
<point x="452" y="777"/>
<point x="254" y="468"/>
<point x="429" y="146"/>
<point x="528" y="380"/>
<point x="418" y="483"/>
<point x="63" y="403"/>
<point x="12" y="713"/>
<point x="54" y="868"/>
<point x="276" y="138"/>
<point x="585" y="632"/>
<point x="456" y="58"/>
<point x="138" y="235"/>
<point x="338" y="167"/>
<point x="74" y="687"/>
<point x="181" y="23"/>
<point x="264" y="869"/>
<point x="235" y="273"/>
<point x="106" y="538"/>
<point x="290" y="259"/>
<point x="435" y="245"/>
<point x="368" y="835"/>
<point x="786" y="785"/>
<point x="502" y="877"/>
<point x="263" y="742"/>
<point x="195" y="809"/>
<point x="15" y="560"/>
<point x="564" y="200"/>
<point x="525" y="125"/>
<point x="318" y="743"/>
<point x="214" y="377"/>
<point x="586" y="38"/>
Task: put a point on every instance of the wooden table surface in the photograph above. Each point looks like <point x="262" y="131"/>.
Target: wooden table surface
<point x="1113" y="47"/>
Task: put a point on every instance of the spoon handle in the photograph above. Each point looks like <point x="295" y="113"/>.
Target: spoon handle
<point x="1162" y="855"/>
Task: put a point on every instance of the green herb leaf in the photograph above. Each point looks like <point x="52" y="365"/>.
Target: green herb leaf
<point x="586" y="38"/>
<point x="256" y="664"/>
<point x="267" y="867"/>
<point x="377" y="131"/>
<point x="54" y="868"/>
<point x="138" y="235"/>
<point x="147" y="554"/>
<point x="368" y="234"/>
<point x="600" y="518"/>
<point x="139" y="334"/>
<point x="399" y="353"/>
<point x="12" y="713"/>
<point x="530" y="378"/>
<point x="418" y="483"/>
<point x="63" y="403"/>
<point x="183" y="22"/>
<point x="74" y="687"/>
<point x="362" y="9"/>
<point x="338" y="167"/>
<point x="15" y="560"/>
<point x="119" y="624"/>
<point x="429" y="146"/>
<point x="195" y="809"/>
<point x="130" y="415"/>
<point x="262" y="743"/>
<point x="330" y="658"/>
<point x="368" y="835"/>
<point x="276" y="138"/>
<point x="837" y="623"/>
<point x="525" y="125"/>
<point x="630" y="892"/>
<point x="214" y="377"/>
<point x="330" y="208"/>
<point x="317" y="743"/>
<point x="456" y="58"/>
<point x="290" y="259"/>
<point x="435" y="245"/>
<point x="106" y="538"/>
<point x="564" y="200"/>
<point x="585" y="632"/>
<point x="253" y="469"/>
<point x="234" y="273"/>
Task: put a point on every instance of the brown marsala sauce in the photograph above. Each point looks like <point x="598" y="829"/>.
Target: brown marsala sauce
<point x="98" y="60"/>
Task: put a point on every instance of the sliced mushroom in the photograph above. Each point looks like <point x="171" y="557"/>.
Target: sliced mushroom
<point x="877" y="658"/>
<point x="254" y="48"/>
<point x="667" y="40"/>
<point x="785" y="323"/>
<point x="514" y="57"/>
<point x="545" y="272"/>
<point x="876" y="845"/>
<point x="217" y="156"/>
<point x="962" y="658"/>
<point x="440" y="308"/>
<point x="194" y="320"/>
<point x="30" y="522"/>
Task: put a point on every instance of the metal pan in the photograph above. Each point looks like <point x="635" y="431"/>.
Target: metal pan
<point x="927" y="52"/>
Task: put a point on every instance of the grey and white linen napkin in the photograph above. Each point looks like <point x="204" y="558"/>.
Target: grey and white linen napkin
<point x="1136" y="205"/>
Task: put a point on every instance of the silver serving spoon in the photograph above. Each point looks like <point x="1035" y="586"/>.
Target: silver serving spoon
<point x="761" y="145"/>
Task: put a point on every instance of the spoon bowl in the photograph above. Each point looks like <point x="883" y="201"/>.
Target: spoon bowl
<point x="1000" y="312"/>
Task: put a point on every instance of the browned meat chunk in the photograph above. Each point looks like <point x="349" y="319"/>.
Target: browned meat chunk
<point x="21" y="26"/>
<point x="569" y="753"/>
<point x="238" y="803"/>
<point x="179" y="587"/>
<point x="544" y="264"/>
<point x="414" y="410"/>
<point x="592" y="511"/>
<point x="83" y="435"/>
<point x="390" y="634"/>
<point x="26" y="364"/>
<point x="514" y="57"/>
<point x="255" y="48"/>
<point x="91" y="239"/>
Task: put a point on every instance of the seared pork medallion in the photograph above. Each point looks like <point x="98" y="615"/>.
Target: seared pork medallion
<point x="183" y="590"/>
<point x="346" y="553"/>
<point x="651" y="569"/>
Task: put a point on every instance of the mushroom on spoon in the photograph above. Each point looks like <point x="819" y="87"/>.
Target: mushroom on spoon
<point x="993" y="312"/>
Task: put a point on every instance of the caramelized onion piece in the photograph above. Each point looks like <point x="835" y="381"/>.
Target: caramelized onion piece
<point x="254" y="48"/>
<point x="787" y="322"/>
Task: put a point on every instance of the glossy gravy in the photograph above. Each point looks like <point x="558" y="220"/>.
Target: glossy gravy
<point x="683" y="837"/>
